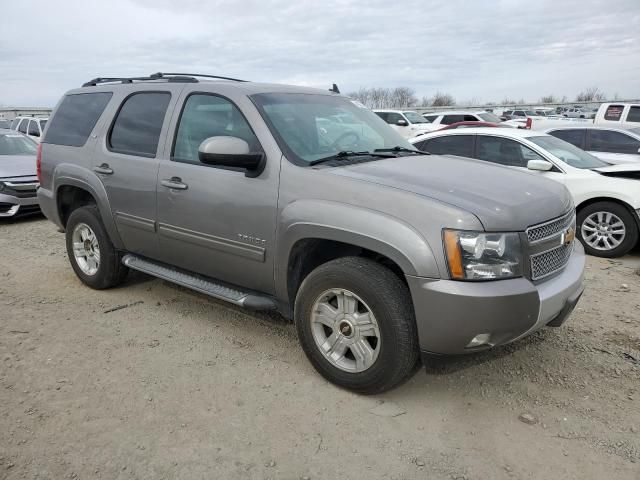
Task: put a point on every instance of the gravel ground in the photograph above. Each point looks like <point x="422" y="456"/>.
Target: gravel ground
<point x="154" y="381"/>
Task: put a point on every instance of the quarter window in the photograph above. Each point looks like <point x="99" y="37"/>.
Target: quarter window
<point x="75" y="118"/>
<point x="613" y="113"/>
<point x="504" y="151"/>
<point x="461" y="145"/>
<point x="613" y="142"/>
<point x="207" y="116"/>
<point x="136" y="130"/>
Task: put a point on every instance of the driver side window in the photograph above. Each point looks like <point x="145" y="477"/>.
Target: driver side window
<point x="204" y="116"/>
<point x="504" y="151"/>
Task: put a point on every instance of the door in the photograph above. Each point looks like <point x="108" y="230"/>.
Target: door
<point x="127" y="164"/>
<point x="212" y="220"/>
<point x="613" y="146"/>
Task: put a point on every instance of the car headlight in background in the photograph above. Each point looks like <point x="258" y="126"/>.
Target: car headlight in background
<point x="482" y="256"/>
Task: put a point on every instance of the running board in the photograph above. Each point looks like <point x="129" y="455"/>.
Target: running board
<point x="200" y="284"/>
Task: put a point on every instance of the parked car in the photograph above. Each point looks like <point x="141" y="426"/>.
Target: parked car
<point x="470" y="125"/>
<point x="619" y="115"/>
<point x="545" y="112"/>
<point x="613" y="145"/>
<point x="406" y="122"/>
<point x="18" y="180"/>
<point x="440" y="119"/>
<point x="30" y="126"/>
<point x="518" y="114"/>
<point x="579" y="112"/>
<point x="607" y="197"/>
<point x="230" y="188"/>
<point x="5" y="124"/>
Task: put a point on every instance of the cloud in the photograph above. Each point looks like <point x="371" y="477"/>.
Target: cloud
<point x="471" y="49"/>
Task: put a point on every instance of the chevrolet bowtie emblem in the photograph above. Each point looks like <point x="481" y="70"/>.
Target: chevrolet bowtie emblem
<point x="568" y="236"/>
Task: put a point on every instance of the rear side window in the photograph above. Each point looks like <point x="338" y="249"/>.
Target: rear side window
<point x="461" y="145"/>
<point x="612" y="142"/>
<point x="634" y="114"/>
<point x="613" y="113"/>
<point x="75" y="118"/>
<point x="574" y="137"/>
<point x="33" y="128"/>
<point x="22" y="128"/>
<point x="431" y="118"/>
<point x="449" y="119"/>
<point x="136" y="129"/>
<point x="504" y="151"/>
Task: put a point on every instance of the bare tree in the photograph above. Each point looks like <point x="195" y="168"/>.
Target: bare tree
<point x="549" y="99"/>
<point x="442" y="100"/>
<point x="591" y="94"/>
<point x="380" y="97"/>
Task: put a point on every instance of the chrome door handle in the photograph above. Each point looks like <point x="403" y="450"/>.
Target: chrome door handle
<point x="103" y="169"/>
<point x="174" y="183"/>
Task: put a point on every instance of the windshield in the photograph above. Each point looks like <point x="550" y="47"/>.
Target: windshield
<point x="309" y="127"/>
<point x="567" y="153"/>
<point x="489" y="117"/>
<point x="16" y="144"/>
<point x="413" y="117"/>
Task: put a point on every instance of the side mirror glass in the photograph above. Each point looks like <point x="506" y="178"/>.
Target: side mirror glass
<point x="402" y="123"/>
<point x="539" y="165"/>
<point x="226" y="151"/>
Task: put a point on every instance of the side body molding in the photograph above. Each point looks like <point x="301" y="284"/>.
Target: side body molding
<point x="79" y="176"/>
<point x="370" y="229"/>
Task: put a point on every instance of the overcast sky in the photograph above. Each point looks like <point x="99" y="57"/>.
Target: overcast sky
<point x="485" y="50"/>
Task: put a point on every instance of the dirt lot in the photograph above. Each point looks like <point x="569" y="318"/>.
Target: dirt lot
<point x="176" y="385"/>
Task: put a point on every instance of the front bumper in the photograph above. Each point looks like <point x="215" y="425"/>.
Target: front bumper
<point x="450" y="314"/>
<point x="10" y="206"/>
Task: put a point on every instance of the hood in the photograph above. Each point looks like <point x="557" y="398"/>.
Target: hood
<point x="17" y="165"/>
<point x="626" y="170"/>
<point x="503" y="198"/>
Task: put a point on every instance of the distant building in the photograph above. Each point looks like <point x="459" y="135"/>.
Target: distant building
<point x="9" y="113"/>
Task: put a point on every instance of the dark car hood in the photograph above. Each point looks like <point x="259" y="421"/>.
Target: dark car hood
<point x="502" y="198"/>
<point x="17" y="165"/>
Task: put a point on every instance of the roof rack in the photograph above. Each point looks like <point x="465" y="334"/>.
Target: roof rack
<point x="169" y="77"/>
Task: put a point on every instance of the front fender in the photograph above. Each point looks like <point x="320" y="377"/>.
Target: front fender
<point x="361" y="227"/>
<point x="67" y="174"/>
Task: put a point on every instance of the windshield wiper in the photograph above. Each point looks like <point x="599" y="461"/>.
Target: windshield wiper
<point x="344" y="155"/>
<point x="398" y="148"/>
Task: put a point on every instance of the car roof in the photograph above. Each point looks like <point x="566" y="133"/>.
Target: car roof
<point x="248" y="88"/>
<point x="393" y="110"/>
<point x="457" y="112"/>
<point x="499" y="131"/>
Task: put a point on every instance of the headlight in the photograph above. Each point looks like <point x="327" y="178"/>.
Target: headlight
<point x="482" y="256"/>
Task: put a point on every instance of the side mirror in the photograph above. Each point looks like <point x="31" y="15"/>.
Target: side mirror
<point x="402" y="123"/>
<point x="539" y="165"/>
<point x="233" y="152"/>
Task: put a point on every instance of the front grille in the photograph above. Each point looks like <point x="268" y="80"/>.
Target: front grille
<point x="541" y="232"/>
<point x="20" y="189"/>
<point x="545" y="263"/>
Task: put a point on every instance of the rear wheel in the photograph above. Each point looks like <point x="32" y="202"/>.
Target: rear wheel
<point x="91" y="254"/>
<point x="607" y="229"/>
<point x="356" y="324"/>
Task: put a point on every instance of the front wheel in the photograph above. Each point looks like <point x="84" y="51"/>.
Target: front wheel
<point x="356" y="324"/>
<point x="607" y="229"/>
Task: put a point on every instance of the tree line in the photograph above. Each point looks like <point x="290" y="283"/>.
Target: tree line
<point x="405" y="97"/>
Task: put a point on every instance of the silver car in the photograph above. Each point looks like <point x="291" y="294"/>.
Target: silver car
<point x="18" y="181"/>
<point x="263" y="196"/>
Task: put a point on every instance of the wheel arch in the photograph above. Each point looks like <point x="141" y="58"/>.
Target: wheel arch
<point x="591" y="201"/>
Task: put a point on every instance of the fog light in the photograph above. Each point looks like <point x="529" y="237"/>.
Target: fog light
<point x="479" y="340"/>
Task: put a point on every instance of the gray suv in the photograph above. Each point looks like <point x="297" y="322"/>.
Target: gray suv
<point x="305" y="202"/>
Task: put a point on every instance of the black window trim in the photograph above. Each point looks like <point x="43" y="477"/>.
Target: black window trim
<point x="107" y="138"/>
<point x="585" y="134"/>
<point x="172" y="158"/>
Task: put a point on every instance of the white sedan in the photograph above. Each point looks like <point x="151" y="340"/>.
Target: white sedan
<point x="607" y="197"/>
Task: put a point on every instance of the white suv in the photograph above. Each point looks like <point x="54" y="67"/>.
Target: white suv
<point x="31" y="126"/>
<point x="406" y="122"/>
<point x="442" y="119"/>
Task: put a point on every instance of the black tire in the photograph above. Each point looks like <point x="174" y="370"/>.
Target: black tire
<point x="390" y="302"/>
<point x="630" y="225"/>
<point x="111" y="271"/>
